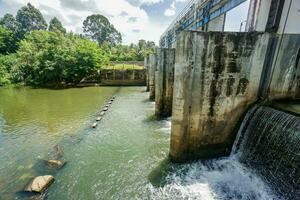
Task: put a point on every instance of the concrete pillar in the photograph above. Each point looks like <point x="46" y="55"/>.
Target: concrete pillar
<point x="146" y="65"/>
<point x="217" y="24"/>
<point x="164" y="80"/>
<point x="159" y="82"/>
<point x="152" y="69"/>
<point x="217" y="76"/>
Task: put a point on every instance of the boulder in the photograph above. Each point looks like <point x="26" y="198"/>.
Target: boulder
<point x="110" y="102"/>
<point x="99" y="119"/>
<point x="39" y="184"/>
<point x="105" y="109"/>
<point x="55" y="163"/>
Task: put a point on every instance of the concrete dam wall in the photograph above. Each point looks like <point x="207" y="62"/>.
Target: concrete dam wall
<point x="217" y="76"/>
<point x="164" y="81"/>
<point x="116" y="77"/>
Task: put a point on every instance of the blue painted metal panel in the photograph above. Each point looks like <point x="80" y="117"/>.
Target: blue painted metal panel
<point x="203" y="16"/>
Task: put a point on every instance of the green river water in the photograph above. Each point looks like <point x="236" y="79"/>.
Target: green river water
<point x="125" y="157"/>
<point x="112" y="161"/>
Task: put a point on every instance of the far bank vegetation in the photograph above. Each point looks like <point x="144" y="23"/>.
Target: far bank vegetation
<point x="37" y="54"/>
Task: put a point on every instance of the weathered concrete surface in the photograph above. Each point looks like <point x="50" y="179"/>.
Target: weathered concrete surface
<point x="285" y="79"/>
<point x="146" y="64"/>
<point x="152" y="69"/>
<point x="217" y="76"/>
<point x="164" y="81"/>
<point x="39" y="184"/>
<point x="116" y="77"/>
<point x="216" y="24"/>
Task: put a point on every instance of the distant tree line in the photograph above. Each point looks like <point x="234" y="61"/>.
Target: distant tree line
<point x="35" y="53"/>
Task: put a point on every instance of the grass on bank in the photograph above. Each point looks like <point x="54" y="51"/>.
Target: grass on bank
<point x="123" y="67"/>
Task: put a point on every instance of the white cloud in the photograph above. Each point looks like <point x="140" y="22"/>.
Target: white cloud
<point x="72" y="14"/>
<point x="149" y="2"/>
<point x="170" y="11"/>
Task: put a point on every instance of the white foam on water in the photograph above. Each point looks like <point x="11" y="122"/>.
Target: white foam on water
<point x="212" y="180"/>
<point x="166" y="126"/>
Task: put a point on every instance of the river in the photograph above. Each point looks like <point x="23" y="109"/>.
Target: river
<point x="125" y="157"/>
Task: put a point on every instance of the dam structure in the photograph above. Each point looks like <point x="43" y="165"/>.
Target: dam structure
<point x="221" y="80"/>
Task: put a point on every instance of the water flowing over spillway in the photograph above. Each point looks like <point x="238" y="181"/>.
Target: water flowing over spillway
<point x="269" y="142"/>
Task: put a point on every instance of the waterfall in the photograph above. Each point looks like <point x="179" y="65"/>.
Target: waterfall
<point x="269" y="143"/>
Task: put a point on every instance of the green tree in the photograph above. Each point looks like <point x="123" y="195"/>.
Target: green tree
<point x="56" y="26"/>
<point x="7" y="41"/>
<point x="99" y="29"/>
<point x="133" y="52"/>
<point x="87" y="58"/>
<point x="9" y="22"/>
<point x="30" y="18"/>
<point x="51" y="58"/>
<point x="6" y="65"/>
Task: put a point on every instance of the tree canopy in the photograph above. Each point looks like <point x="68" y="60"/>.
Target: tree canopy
<point x="132" y="52"/>
<point x="32" y="55"/>
<point x="7" y="41"/>
<point x="29" y="19"/>
<point x="47" y="58"/>
<point x="99" y="29"/>
<point x="56" y="26"/>
<point x="9" y="22"/>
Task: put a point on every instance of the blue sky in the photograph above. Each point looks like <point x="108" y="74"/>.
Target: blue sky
<point x="135" y="19"/>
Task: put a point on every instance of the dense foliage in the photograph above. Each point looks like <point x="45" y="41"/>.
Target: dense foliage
<point x="133" y="52"/>
<point x="35" y="54"/>
<point x="48" y="58"/>
<point x="56" y="26"/>
<point x="29" y="19"/>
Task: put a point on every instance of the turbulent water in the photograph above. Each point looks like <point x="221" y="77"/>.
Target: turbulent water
<point x="125" y="157"/>
<point x="269" y="142"/>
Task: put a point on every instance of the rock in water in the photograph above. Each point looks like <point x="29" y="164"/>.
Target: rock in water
<point x="94" y="125"/>
<point x="55" y="163"/>
<point x="39" y="184"/>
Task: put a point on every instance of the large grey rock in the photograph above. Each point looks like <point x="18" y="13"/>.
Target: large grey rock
<point x="39" y="184"/>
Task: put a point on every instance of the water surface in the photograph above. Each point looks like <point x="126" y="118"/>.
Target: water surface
<point x="125" y="157"/>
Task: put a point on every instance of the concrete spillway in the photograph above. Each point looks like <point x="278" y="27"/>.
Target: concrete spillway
<point x="268" y="142"/>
